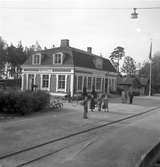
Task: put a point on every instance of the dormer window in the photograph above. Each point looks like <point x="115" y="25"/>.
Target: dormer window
<point x="36" y="59"/>
<point x="57" y="58"/>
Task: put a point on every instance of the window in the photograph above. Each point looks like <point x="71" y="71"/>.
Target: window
<point x="45" y="81"/>
<point x="58" y="58"/>
<point x="36" y="59"/>
<point x="79" y="82"/>
<point x="30" y="81"/>
<point x="98" y="83"/>
<point x="61" y="82"/>
<point x="89" y="84"/>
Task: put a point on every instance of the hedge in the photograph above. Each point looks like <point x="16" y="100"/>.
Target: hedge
<point x="14" y="102"/>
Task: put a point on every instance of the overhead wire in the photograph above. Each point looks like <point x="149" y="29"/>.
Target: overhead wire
<point x="72" y="8"/>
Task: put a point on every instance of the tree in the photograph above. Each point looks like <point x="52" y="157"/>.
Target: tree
<point x="116" y="56"/>
<point x="129" y="66"/>
<point x="144" y="71"/>
<point x="3" y="55"/>
<point x="36" y="47"/>
<point x="16" y="57"/>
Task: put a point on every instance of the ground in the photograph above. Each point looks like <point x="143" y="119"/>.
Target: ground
<point x="117" y="145"/>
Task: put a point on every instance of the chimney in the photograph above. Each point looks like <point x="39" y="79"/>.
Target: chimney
<point x="64" y="43"/>
<point x="89" y="49"/>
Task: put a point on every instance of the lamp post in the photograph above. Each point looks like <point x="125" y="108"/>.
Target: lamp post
<point x="150" y="78"/>
<point x="134" y="15"/>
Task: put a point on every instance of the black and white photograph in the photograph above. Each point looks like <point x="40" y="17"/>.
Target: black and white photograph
<point x="79" y="83"/>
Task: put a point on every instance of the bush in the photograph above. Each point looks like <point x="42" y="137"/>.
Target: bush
<point x="23" y="102"/>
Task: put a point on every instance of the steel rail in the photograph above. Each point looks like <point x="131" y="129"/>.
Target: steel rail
<point x="69" y="136"/>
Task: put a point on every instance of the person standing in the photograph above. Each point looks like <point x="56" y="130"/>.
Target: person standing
<point x="131" y="95"/>
<point x="92" y="103"/>
<point x="99" y="102"/>
<point x="105" y="103"/>
<point x="85" y="105"/>
<point x="123" y="96"/>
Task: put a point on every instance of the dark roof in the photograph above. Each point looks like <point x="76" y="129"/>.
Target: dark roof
<point x="75" y="57"/>
<point x="85" y="59"/>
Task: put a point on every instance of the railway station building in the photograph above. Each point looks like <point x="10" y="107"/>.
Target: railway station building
<point x="62" y="70"/>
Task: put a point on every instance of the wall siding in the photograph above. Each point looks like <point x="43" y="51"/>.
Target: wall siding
<point x="53" y="83"/>
<point x="85" y="82"/>
<point x="68" y="83"/>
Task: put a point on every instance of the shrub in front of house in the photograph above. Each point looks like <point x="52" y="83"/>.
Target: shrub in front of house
<point x="12" y="102"/>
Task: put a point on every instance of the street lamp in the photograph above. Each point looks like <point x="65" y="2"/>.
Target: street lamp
<point x="134" y="15"/>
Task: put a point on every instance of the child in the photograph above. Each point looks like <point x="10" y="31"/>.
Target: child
<point x="92" y="103"/>
<point x="131" y="95"/>
<point x="105" y="103"/>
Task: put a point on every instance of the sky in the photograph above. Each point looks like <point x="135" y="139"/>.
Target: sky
<point x="100" y="24"/>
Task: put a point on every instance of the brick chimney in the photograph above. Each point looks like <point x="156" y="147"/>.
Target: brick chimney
<point x="64" y="43"/>
<point x="89" y="49"/>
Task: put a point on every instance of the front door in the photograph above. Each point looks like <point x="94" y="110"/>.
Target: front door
<point x="30" y="81"/>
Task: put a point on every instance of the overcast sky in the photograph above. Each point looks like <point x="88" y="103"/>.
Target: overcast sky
<point x="100" y="24"/>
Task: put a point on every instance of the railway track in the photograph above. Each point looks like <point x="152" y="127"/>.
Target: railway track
<point x="50" y="144"/>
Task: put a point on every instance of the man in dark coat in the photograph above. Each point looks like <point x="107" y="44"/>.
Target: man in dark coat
<point x="131" y="95"/>
<point x="85" y="105"/>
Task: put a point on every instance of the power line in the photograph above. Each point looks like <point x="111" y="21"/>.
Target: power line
<point x="54" y="8"/>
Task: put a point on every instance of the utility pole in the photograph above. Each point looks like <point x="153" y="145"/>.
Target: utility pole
<point x="150" y="78"/>
<point x="150" y="70"/>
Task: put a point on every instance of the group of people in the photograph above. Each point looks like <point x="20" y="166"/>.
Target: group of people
<point x="101" y="102"/>
<point x="127" y="94"/>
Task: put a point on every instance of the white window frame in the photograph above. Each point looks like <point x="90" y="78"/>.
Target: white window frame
<point x="61" y="57"/>
<point x="33" y="59"/>
<point x="99" y="89"/>
<point x="57" y="81"/>
<point x="45" y="88"/>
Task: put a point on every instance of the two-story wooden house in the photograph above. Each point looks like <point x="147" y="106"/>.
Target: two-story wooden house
<point x="66" y="69"/>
